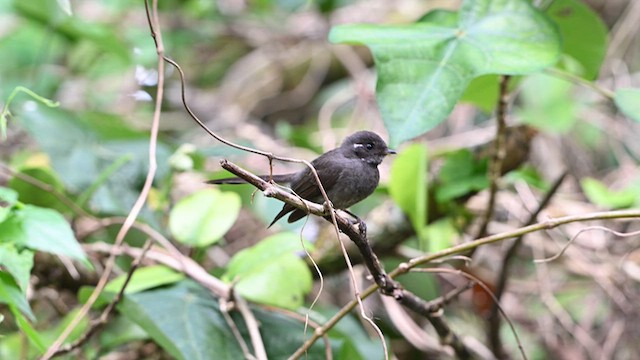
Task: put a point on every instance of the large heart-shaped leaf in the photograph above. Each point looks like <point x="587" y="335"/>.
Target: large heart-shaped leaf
<point x="424" y="68"/>
<point x="201" y="218"/>
<point x="270" y="272"/>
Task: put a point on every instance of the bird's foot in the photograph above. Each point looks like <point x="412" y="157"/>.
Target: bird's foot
<point x="362" y="226"/>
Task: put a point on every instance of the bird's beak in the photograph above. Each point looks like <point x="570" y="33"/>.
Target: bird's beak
<point x="391" y="152"/>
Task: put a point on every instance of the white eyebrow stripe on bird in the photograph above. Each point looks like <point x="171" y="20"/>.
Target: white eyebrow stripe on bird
<point x="357" y="145"/>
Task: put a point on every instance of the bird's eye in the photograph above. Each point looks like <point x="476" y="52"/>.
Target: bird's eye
<point x="369" y="146"/>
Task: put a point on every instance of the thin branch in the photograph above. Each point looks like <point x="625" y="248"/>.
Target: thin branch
<point x="610" y="95"/>
<point x="252" y="327"/>
<point x="499" y="154"/>
<point x="106" y="313"/>
<point x="140" y="201"/>
<point x="488" y="291"/>
<point x="590" y="228"/>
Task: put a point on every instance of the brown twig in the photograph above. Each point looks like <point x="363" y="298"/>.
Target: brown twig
<point x="496" y="302"/>
<point x="98" y="323"/>
<point x="499" y="154"/>
<point x="140" y="201"/>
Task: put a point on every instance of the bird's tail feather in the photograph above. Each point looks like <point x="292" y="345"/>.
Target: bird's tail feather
<point x="280" y="178"/>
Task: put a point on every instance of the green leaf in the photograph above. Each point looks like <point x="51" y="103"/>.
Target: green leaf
<point x="547" y="103"/>
<point x="270" y="272"/>
<point x="43" y="230"/>
<point x="482" y="92"/>
<point x="584" y="34"/>
<point x="8" y="198"/>
<point x="599" y="194"/>
<point x="201" y="218"/>
<point x="440" y="235"/>
<point x="11" y="294"/>
<point x="424" y="68"/>
<point x="82" y="146"/>
<point x="35" y="195"/>
<point x="628" y="101"/>
<point x="198" y="329"/>
<point x="461" y="174"/>
<point x="17" y="263"/>
<point x="12" y="346"/>
<point x="408" y="184"/>
<point x="145" y="278"/>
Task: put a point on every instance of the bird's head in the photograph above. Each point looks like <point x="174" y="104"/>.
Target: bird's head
<point x="367" y="146"/>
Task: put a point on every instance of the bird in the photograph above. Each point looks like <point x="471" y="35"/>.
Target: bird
<point x="348" y="173"/>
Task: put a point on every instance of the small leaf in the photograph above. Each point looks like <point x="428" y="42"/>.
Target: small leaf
<point x="548" y="104"/>
<point x="42" y="229"/>
<point x="145" y="278"/>
<point x="34" y="195"/>
<point x="628" y="101"/>
<point x="11" y="294"/>
<point x="584" y="34"/>
<point x="17" y="263"/>
<point x="461" y="174"/>
<point x="599" y="194"/>
<point x="8" y="198"/>
<point x="440" y="235"/>
<point x="271" y="273"/>
<point x="424" y="68"/>
<point x="408" y="184"/>
<point x="201" y="219"/>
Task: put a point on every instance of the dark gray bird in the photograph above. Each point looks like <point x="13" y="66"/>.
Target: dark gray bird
<point x="348" y="174"/>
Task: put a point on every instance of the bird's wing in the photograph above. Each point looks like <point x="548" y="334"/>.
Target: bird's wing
<point x="279" y="178"/>
<point x="307" y="188"/>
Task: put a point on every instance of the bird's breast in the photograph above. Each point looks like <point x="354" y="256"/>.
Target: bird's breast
<point x="354" y="184"/>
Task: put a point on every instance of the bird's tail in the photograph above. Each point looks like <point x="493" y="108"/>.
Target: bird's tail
<point x="280" y="178"/>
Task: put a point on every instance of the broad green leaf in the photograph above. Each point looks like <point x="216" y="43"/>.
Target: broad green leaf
<point x="584" y="34"/>
<point x="628" y="101"/>
<point x="83" y="146"/>
<point x="120" y="331"/>
<point x="461" y="174"/>
<point x="408" y="184"/>
<point x="270" y="272"/>
<point x="599" y="194"/>
<point x="17" y="263"/>
<point x="142" y="279"/>
<point x="35" y="195"/>
<point x="50" y="16"/>
<point x="424" y="68"/>
<point x="198" y="329"/>
<point x="195" y="331"/>
<point x="43" y="230"/>
<point x="547" y="103"/>
<point x="8" y="198"/>
<point x="11" y="294"/>
<point x="201" y="218"/>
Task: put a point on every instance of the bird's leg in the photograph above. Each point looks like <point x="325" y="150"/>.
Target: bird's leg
<point x="362" y="226"/>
